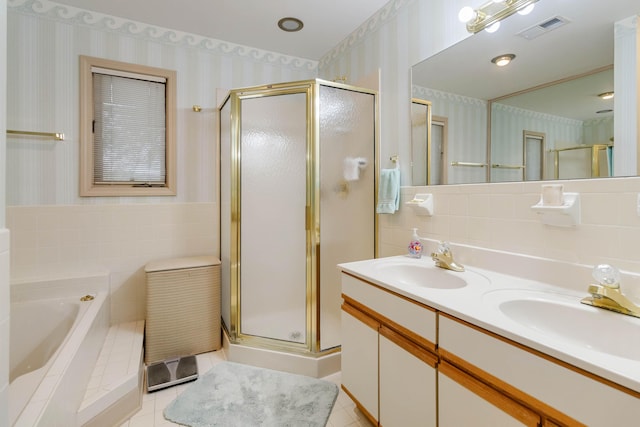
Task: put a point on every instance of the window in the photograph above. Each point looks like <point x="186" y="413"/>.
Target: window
<point x="127" y="129"/>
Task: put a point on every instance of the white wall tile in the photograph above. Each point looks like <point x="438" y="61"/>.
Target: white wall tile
<point x="185" y="230"/>
<point x="504" y="220"/>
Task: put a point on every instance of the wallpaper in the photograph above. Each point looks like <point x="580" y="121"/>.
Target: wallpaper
<point x="44" y="42"/>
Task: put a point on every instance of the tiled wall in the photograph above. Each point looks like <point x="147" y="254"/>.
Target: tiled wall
<point x="56" y="241"/>
<point x="499" y="216"/>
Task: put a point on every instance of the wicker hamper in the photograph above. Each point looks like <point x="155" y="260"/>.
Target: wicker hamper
<point x="183" y="307"/>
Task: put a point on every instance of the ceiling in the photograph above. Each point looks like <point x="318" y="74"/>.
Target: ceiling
<point x="584" y="44"/>
<point x="249" y="22"/>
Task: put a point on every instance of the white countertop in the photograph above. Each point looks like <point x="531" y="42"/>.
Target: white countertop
<point x="478" y="303"/>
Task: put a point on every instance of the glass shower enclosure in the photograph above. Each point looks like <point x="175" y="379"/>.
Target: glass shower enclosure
<point x="298" y="168"/>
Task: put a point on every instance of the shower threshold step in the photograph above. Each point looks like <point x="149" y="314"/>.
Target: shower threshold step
<point x="114" y="391"/>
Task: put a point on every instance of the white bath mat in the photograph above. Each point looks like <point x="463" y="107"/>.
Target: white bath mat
<point x="236" y="395"/>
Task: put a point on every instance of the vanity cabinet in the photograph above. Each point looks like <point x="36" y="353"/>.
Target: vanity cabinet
<point x="554" y="391"/>
<point x="388" y="366"/>
<point x="406" y="364"/>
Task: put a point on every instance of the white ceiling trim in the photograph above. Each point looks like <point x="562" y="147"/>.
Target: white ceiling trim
<point x="99" y="21"/>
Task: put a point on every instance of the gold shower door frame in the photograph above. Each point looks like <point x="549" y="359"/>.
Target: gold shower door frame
<point x="311" y="89"/>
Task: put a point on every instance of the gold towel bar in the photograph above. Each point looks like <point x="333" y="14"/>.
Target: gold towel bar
<point x="471" y="164"/>
<point x="500" y="166"/>
<point x="55" y="135"/>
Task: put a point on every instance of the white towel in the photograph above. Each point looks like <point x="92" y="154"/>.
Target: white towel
<point x="351" y="168"/>
<point x="389" y="191"/>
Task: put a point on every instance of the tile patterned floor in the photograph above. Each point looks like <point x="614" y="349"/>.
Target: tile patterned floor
<point x="150" y="415"/>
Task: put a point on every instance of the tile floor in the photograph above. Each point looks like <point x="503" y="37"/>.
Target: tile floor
<point x="150" y="415"/>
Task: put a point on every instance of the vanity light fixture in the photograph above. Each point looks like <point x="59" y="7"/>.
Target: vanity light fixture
<point x="502" y="60"/>
<point x="526" y="10"/>
<point x="493" y="27"/>
<point x="492" y="12"/>
<point x="606" y="95"/>
<point x="290" y="25"/>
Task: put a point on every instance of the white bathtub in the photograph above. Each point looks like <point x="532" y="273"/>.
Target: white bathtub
<point x="55" y="340"/>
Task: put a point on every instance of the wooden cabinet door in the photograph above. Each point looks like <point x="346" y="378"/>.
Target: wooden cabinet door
<point x="360" y="360"/>
<point x="465" y="401"/>
<point x="407" y="382"/>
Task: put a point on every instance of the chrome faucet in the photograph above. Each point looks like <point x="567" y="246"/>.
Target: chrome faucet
<point x="607" y="293"/>
<point x="444" y="258"/>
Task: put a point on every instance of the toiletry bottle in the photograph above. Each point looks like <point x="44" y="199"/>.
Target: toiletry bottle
<point x="415" y="246"/>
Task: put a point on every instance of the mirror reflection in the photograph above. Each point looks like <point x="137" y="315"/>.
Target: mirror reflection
<point x="540" y="117"/>
<point x="565" y="130"/>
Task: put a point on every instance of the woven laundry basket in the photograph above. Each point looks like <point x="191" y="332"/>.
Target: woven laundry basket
<point x="183" y="307"/>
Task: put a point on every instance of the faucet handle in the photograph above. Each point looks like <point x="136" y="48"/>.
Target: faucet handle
<point x="607" y="275"/>
<point x="443" y="248"/>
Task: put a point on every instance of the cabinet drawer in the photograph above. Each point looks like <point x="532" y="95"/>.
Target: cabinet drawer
<point x="415" y="320"/>
<point x="553" y="387"/>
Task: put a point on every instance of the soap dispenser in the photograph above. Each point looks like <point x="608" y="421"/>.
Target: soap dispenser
<point x="415" y="246"/>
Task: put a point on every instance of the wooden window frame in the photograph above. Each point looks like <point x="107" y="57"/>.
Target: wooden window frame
<point x="87" y="186"/>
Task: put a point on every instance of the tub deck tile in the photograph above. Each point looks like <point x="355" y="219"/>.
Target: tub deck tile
<point x="117" y="370"/>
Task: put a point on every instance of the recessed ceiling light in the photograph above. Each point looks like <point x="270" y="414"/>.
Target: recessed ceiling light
<point x="606" y="95"/>
<point x="290" y="24"/>
<point x="502" y="60"/>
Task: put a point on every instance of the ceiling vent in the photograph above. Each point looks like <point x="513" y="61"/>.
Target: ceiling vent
<point x="543" y="27"/>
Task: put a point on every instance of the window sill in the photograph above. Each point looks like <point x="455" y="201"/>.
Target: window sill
<point x="126" y="191"/>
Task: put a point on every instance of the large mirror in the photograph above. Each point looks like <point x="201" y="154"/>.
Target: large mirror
<point x="540" y="117"/>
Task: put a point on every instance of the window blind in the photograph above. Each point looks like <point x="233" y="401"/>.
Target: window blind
<point x="129" y="130"/>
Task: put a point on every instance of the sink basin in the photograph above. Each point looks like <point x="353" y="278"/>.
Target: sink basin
<point x="418" y="273"/>
<point x="563" y="317"/>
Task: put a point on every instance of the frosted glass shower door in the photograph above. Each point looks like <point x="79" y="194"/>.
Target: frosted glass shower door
<point x="273" y="195"/>
<point x="347" y="195"/>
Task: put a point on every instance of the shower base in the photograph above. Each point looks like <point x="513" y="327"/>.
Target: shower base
<point x="311" y="366"/>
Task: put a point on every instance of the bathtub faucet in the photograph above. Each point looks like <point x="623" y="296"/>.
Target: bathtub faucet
<point x="444" y="258"/>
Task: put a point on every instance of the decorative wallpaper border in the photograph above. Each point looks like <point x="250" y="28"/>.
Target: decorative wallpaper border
<point x="430" y="94"/>
<point x="99" y="21"/>
<point x="510" y="109"/>
<point x="372" y="24"/>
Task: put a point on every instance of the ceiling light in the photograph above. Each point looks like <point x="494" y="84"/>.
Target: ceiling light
<point x="606" y="95"/>
<point x="467" y="14"/>
<point x="290" y="24"/>
<point x="493" y="27"/>
<point x="526" y="10"/>
<point x="502" y="60"/>
<point x="492" y="12"/>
